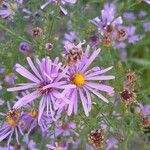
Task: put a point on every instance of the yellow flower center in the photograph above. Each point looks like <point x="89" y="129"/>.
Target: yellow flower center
<point x="59" y="148"/>
<point x="33" y="113"/>
<point x="12" y="8"/>
<point x="78" y="79"/>
<point x="11" y="122"/>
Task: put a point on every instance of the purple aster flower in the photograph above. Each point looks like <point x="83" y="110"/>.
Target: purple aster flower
<point x="142" y="13"/>
<point x="63" y="2"/>
<point x="147" y="1"/>
<point x="111" y="143"/>
<point x="70" y="37"/>
<point x="89" y="147"/>
<point x="32" y="145"/>
<point x="10" y="79"/>
<point x="8" y="10"/>
<point x="24" y="47"/>
<point x="64" y="128"/>
<point x="2" y="69"/>
<point x="7" y="148"/>
<point x="94" y="40"/>
<point x="129" y="16"/>
<point x="146" y="26"/>
<point x="145" y="109"/>
<point x="30" y="119"/>
<point x="11" y="126"/>
<point x="46" y="83"/>
<point x="132" y="37"/>
<point x="107" y="18"/>
<point x="56" y="147"/>
<point x="85" y="82"/>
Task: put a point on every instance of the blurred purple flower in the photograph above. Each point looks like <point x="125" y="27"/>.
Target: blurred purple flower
<point x="94" y="40"/>
<point x="129" y="16"/>
<point x="7" y="148"/>
<point x="2" y="69"/>
<point x="11" y="126"/>
<point x="30" y="119"/>
<point x="145" y="109"/>
<point x="47" y="81"/>
<point x="111" y="143"/>
<point x="146" y="26"/>
<point x="56" y="147"/>
<point x="10" y="79"/>
<point x="70" y="37"/>
<point x="107" y="18"/>
<point x="55" y="2"/>
<point x="142" y="13"/>
<point x="8" y="10"/>
<point x="64" y="129"/>
<point x="147" y="1"/>
<point x="132" y="37"/>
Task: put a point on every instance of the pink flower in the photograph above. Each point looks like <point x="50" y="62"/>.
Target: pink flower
<point x="87" y="82"/>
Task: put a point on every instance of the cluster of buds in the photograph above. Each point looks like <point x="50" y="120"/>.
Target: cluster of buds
<point x="111" y="35"/>
<point x="96" y="138"/>
<point x="128" y="95"/>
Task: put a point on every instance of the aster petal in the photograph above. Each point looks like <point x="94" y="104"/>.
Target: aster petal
<point x="41" y="108"/>
<point x="55" y="85"/>
<point x="101" y="78"/>
<point x="101" y="87"/>
<point x="26" y="99"/>
<point x="17" y="136"/>
<point x="2" y="137"/>
<point x="70" y="107"/>
<point x="33" y="68"/>
<point x="25" y="73"/>
<point x="23" y="87"/>
<point x="10" y="136"/>
<point x="84" y="102"/>
<point x="71" y="1"/>
<point x="98" y="72"/>
<point x="97" y="94"/>
<point x="88" y="99"/>
<point x="75" y="102"/>
<point x="90" y="60"/>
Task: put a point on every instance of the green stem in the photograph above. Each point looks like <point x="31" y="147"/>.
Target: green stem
<point x="13" y="33"/>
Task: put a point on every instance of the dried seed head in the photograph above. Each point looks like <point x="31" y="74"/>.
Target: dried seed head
<point x="36" y="32"/>
<point x="121" y="35"/>
<point x="73" y="56"/>
<point x="17" y="147"/>
<point x="106" y="40"/>
<point x="109" y="29"/>
<point x="96" y="138"/>
<point x="127" y="97"/>
<point x="146" y="121"/>
<point x="131" y="77"/>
